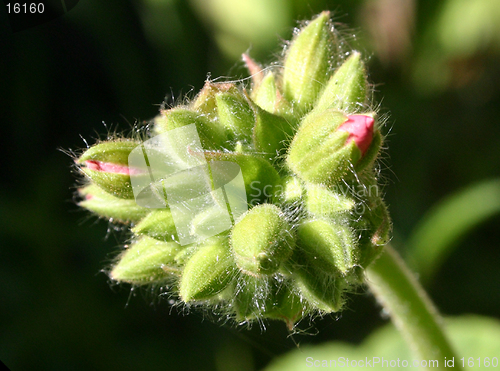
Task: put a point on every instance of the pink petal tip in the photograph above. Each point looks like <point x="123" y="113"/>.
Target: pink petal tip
<point x="360" y="129"/>
<point x="107" y="167"/>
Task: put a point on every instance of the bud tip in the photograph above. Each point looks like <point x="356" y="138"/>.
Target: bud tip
<point x="360" y="129"/>
<point x="108" y="167"/>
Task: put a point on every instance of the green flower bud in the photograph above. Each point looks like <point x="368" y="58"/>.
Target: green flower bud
<point x="158" y="224"/>
<point x="322" y="201"/>
<point x="330" y="145"/>
<point x="347" y="89"/>
<point x="251" y="294"/>
<point x="261" y="240"/>
<point x="212" y="136"/>
<point x="256" y="72"/>
<point x="186" y="253"/>
<point x="109" y="206"/>
<point x="269" y="297"/>
<point x="328" y="246"/>
<point x="271" y="133"/>
<point x="320" y="290"/>
<point x="205" y="102"/>
<point x="290" y="191"/>
<point x="146" y="261"/>
<point x="286" y="305"/>
<point x="307" y="63"/>
<point x="208" y="272"/>
<point x="106" y="164"/>
<point x="205" y="222"/>
<point x="236" y="116"/>
<point x="267" y="96"/>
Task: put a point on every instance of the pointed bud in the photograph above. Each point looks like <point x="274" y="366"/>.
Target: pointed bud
<point x="347" y="89"/>
<point x="205" y="103"/>
<point x="236" y="116"/>
<point x="208" y="272"/>
<point x="322" y="201"/>
<point x="106" y="164"/>
<point x="256" y="72"/>
<point x="212" y="136"/>
<point x="146" y="261"/>
<point x="210" y="219"/>
<point x="329" y="145"/>
<point x="328" y="246"/>
<point x="158" y="224"/>
<point x="307" y="63"/>
<point x="105" y="204"/>
<point x="290" y="191"/>
<point x="320" y="290"/>
<point x="271" y="134"/>
<point x="286" y="305"/>
<point x="269" y="297"/>
<point x="185" y="254"/>
<point x="261" y="240"/>
<point x="267" y="96"/>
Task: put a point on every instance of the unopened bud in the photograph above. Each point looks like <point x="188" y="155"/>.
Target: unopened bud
<point x="212" y="136"/>
<point x="106" y="164"/>
<point x="320" y="200"/>
<point x="328" y="245"/>
<point x="208" y="272"/>
<point x="205" y="103"/>
<point x="329" y="145"/>
<point x="320" y="290"/>
<point x="272" y="297"/>
<point x="290" y="191"/>
<point x="271" y="134"/>
<point x="347" y="89"/>
<point x="236" y="116"/>
<point x="109" y="206"/>
<point x="308" y="61"/>
<point x="261" y="240"/>
<point x="146" y="261"/>
<point x="158" y="224"/>
<point x="268" y="97"/>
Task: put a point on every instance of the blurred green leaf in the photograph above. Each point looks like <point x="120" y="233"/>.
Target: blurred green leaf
<point x="245" y="23"/>
<point x="461" y="31"/>
<point x="450" y="220"/>
<point x="472" y="336"/>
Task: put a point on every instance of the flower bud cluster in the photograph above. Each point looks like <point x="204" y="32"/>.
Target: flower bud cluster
<point x="305" y="134"/>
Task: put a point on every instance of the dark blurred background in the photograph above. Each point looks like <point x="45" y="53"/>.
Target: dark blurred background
<point x="105" y="65"/>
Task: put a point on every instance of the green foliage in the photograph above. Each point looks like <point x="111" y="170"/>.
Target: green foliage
<point x="474" y="337"/>
<point x="440" y="230"/>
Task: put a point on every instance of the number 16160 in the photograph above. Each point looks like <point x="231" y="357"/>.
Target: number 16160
<point x="32" y="8"/>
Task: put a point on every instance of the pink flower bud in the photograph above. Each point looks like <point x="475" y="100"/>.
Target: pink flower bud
<point x="360" y="129"/>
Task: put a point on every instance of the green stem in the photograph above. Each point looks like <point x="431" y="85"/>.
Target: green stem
<point x="410" y="308"/>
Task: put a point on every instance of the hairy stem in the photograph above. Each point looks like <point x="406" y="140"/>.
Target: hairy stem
<point x="410" y="308"/>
